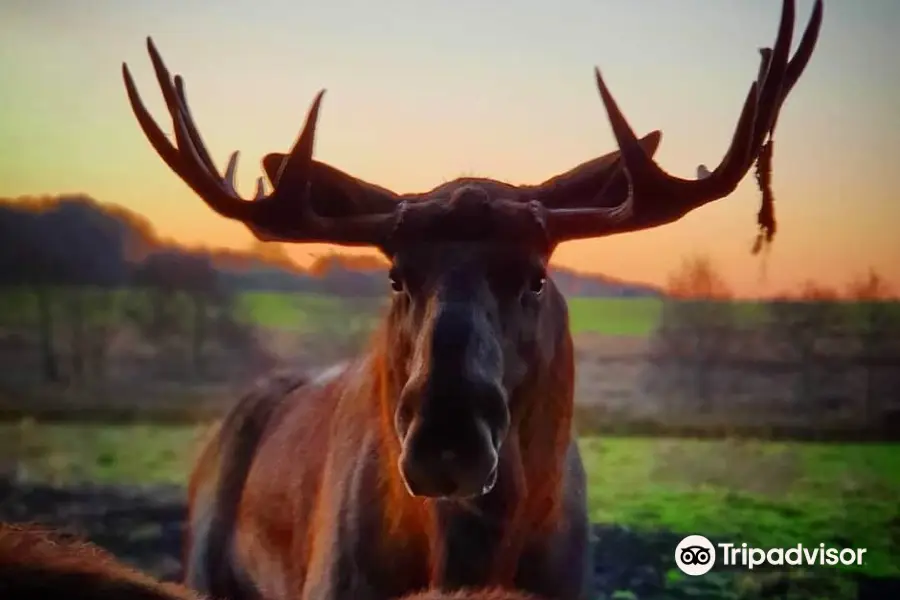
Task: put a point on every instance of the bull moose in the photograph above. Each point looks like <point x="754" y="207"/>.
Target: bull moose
<point x="442" y="457"/>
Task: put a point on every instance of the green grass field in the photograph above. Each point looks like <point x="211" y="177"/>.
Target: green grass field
<point x="611" y="316"/>
<point x="766" y="494"/>
<point x="300" y="312"/>
<point x="607" y="316"/>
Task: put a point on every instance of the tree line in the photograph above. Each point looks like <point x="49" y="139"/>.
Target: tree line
<point x="81" y="282"/>
<point x="815" y="351"/>
<point x="67" y="260"/>
<point x="68" y="263"/>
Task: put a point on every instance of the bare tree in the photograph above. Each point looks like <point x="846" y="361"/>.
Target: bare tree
<point x="698" y="278"/>
<point x="168" y="278"/>
<point x="697" y="325"/>
<point x="878" y="331"/>
<point x="804" y="322"/>
<point x="25" y="263"/>
<point x="272" y="253"/>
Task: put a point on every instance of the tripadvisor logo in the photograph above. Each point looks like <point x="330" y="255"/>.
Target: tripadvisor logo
<point x="696" y="555"/>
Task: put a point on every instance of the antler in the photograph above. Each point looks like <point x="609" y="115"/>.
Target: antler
<point x="287" y="213"/>
<point x="655" y="197"/>
<point x="360" y="213"/>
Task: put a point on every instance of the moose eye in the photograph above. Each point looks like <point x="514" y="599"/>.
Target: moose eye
<point x="396" y="281"/>
<point x="537" y="283"/>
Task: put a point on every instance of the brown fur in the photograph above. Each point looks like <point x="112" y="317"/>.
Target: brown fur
<point x="442" y="457"/>
<point x="42" y="564"/>
<point x="319" y="509"/>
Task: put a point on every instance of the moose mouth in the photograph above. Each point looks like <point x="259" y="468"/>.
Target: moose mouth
<point x="448" y="474"/>
<point x="486" y="489"/>
<point x="490" y="483"/>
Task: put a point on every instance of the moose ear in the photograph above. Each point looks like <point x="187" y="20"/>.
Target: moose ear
<point x="335" y="193"/>
<point x="570" y="189"/>
<point x="272" y="164"/>
<point x="605" y="166"/>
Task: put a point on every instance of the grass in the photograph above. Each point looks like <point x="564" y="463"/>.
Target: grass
<point x="764" y="493"/>
<point x="606" y="316"/>
<point x="299" y="312"/>
<point x="611" y="316"/>
<point x="614" y="316"/>
<point x="290" y="312"/>
<point x="134" y="454"/>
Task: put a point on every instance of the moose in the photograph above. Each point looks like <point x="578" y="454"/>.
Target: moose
<point x="38" y="563"/>
<point x="442" y="457"/>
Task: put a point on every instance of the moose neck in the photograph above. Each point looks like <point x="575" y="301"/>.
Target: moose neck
<point x="477" y="541"/>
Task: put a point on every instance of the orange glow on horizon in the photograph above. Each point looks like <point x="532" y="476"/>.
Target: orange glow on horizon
<point x="421" y="93"/>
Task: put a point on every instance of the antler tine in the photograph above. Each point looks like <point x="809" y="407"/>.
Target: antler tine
<point x="792" y="71"/>
<point x="183" y="159"/>
<point x="656" y="197"/>
<point x="191" y="127"/>
<point x="284" y="215"/>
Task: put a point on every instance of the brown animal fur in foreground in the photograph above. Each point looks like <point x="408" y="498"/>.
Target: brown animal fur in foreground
<point x="43" y="564"/>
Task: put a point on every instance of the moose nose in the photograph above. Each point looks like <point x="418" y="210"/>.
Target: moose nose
<point x="444" y="471"/>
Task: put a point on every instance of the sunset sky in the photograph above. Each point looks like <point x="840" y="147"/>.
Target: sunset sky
<point x="420" y="92"/>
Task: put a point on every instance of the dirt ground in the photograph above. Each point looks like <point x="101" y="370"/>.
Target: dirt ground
<point x="144" y="527"/>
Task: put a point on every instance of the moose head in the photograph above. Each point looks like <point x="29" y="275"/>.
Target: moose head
<point x="474" y="318"/>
